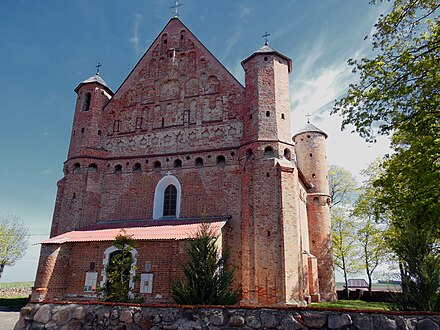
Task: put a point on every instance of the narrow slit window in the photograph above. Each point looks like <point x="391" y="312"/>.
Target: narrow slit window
<point x="85" y="104"/>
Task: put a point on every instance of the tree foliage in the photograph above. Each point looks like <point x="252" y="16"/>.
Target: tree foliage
<point x="14" y="239"/>
<point x="345" y="243"/>
<point x="398" y="88"/>
<point x="371" y="224"/>
<point x="342" y="185"/>
<point x="398" y="94"/>
<point x="207" y="280"/>
<point x="119" y="270"/>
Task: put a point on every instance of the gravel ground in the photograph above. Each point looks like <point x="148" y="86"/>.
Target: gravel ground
<point x="8" y="320"/>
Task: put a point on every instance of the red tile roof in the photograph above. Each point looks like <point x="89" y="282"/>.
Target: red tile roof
<point x="152" y="223"/>
<point x="160" y="232"/>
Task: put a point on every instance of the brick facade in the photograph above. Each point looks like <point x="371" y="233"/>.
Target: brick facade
<point x="181" y="113"/>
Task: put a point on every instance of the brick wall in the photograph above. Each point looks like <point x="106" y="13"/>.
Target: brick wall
<point x="178" y="106"/>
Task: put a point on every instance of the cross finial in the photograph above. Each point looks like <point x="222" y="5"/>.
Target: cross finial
<point x="97" y="68"/>
<point x="266" y="39"/>
<point x="176" y="6"/>
<point x="308" y="118"/>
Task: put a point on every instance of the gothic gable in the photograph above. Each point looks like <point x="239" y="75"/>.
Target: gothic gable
<point x="177" y="82"/>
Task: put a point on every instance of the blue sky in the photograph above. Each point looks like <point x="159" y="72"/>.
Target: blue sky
<point x="50" y="46"/>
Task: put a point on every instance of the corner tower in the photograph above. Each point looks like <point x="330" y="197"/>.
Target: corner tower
<point x="92" y="95"/>
<point x="311" y="156"/>
<point x="267" y="115"/>
<point x="78" y="196"/>
<point x="272" y="271"/>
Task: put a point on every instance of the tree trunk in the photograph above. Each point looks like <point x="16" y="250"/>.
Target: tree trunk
<point x="402" y="277"/>
<point x="2" y="267"/>
<point x="369" y="284"/>
<point x="347" y="292"/>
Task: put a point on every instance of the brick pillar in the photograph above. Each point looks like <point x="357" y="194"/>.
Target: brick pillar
<point x="52" y="273"/>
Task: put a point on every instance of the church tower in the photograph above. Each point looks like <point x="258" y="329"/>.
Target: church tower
<point x="271" y="244"/>
<point x="77" y="203"/>
<point x="312" y="160"/>
<point x="92" y="95"/>
<point x="267" y="116"/>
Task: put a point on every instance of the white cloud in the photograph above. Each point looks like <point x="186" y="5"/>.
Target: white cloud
<point x="244" y="10"/>
<point x="47" y="171"/>
<point x="314" y="90"/>
<point x="135" y="38"/>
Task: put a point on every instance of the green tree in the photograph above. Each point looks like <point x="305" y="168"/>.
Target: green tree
<point x="398" y="94"/>
<point x="345" y="244"/>
<point x="342" y="185"/>
<point x="399" y="87"/>
<point x="119" y="270"/>
<point x="373" y="248"/>
<point x="371" y="222"/>
<point x="14" y="239"/>
<point x="207" y="280"/>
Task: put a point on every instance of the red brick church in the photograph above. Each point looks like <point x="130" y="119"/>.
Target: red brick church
<point x="183" y="142"/>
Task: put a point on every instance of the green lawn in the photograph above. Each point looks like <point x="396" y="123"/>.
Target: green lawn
<point x="18" y="285"/>
<point x="354" y="304"/>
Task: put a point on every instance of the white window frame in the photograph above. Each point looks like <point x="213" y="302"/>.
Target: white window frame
<point x="159" y="195"/>
<point x="91" y="281"/>
<point x="149" y="279"/>
<point x="106" y="260"/>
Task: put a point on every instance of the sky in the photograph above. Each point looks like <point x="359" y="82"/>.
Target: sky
<point x="48" y="47"/>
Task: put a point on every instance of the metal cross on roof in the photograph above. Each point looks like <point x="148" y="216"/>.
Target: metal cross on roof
<point x="266" y="39"/>
<point x="176" y="7"/>
<point x="308" y="118"/>
<point x="97" y="68"/>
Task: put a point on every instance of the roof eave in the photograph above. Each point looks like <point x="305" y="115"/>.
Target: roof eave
<point x="94" y="82"/>
<point x="274" y="52"/>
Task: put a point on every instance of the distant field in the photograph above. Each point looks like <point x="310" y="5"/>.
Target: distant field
<point x="375" y="287"/>
<point x="16" y="285"/>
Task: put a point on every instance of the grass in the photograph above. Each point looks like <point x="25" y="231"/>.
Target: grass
<point x="17" y="285"/>
<point x="355" y="304"/>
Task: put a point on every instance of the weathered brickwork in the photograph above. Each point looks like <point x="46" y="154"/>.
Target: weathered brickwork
<point x="180" y="114"/>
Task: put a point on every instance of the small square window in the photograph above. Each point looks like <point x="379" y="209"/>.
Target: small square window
<point x="146" y="283"/>
<point x="90" y="282"/>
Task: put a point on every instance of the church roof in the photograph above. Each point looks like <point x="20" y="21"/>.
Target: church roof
<point x="95" y="79"/>
<point x="266" y="49"/>
<point x="175" y="231"/>
<point x="310" y="128"/>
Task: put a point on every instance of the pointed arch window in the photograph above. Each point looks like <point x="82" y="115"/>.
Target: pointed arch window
<point x="170" y="201"/>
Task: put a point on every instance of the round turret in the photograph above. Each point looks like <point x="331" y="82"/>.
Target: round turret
<point x="311" y="156"/>
<point x="312" y="162"/>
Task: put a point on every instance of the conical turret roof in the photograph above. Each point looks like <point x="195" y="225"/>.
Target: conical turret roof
<point x="266" y="49"/>
<point x="95" y="79"/>
<point x="310" y="128"/>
